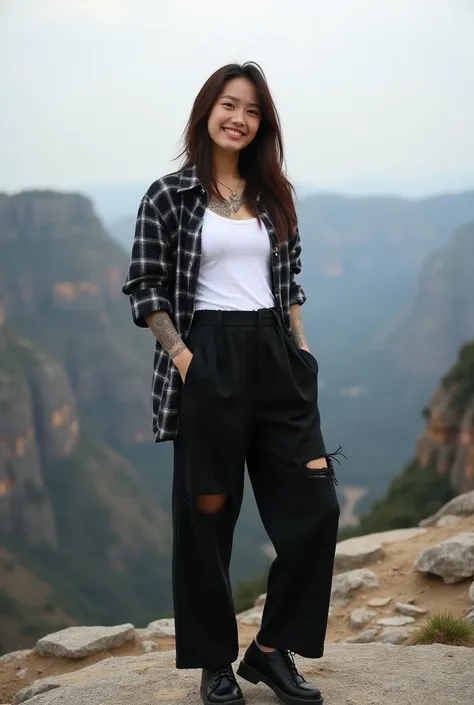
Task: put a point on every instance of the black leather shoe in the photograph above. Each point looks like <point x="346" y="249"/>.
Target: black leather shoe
<point x="277" y="669"/>
<point x="219" y="687"/>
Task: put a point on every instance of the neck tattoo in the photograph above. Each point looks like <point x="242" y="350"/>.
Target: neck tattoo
<point x="226" y="207"/>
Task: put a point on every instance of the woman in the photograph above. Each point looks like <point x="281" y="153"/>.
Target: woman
<point x="212" y="274"/>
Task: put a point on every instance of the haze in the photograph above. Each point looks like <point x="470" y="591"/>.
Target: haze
<point x="374" y="96"/>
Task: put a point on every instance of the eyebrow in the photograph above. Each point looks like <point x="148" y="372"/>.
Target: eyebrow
<point x="237" y="100"/>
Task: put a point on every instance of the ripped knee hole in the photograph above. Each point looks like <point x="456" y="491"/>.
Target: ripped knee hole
<point x="318" y="464"/>
<point x="211" y="503"/>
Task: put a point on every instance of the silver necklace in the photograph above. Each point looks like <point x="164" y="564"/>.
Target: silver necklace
<point x="227" y="207"/>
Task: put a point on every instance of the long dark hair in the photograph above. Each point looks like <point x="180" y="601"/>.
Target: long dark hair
<point x="260" y="163"/>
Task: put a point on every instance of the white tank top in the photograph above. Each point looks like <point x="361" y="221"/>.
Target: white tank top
<point x="235" y="265"/>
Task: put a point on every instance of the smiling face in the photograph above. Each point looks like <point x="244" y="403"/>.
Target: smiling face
<point x="235" y="118"/>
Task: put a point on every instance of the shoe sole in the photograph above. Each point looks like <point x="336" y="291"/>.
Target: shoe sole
<point x="253" y="676"/>
<point x="206" y="701"/>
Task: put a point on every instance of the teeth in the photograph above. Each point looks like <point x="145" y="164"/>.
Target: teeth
<point x="233" y="132"/>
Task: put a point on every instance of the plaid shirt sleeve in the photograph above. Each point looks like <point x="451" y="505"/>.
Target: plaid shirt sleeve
<point x="297" y="295"/>
<point x="147" y="282"/>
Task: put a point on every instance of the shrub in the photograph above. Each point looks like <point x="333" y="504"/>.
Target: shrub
<point x="444" y="628"/>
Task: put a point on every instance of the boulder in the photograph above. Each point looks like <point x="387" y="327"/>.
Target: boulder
<point x="394" y="635"/>
<point x="253" y="618"/>
<point x="368" y="636"/>
<point x="409" y="610"/>
<point x="411" y="674"/>
<point x="344" y="584"/>
<point x="471" y="592"/>
<point x="394" y="535"/>
<point x="147" y="646"/>
<point x="79" y="642"/>
<point x="356" y="553"/>
<point x="161" y="627"/>
<point x="452" y="560"/>
<point x="448" y="520"/>
<point x="14" y="656"/>
<point x="462" y="506"/>
<point x="363" y="550"/>
<point x="395" y="621"/>
<point x="360" y="617"/>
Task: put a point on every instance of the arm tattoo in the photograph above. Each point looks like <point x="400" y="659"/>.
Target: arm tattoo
<point x="297" y="331"/>
<point x="164" y="331"/>
<point x="177" y="351"/>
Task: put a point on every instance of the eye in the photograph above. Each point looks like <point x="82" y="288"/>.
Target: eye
<point x="254" y="112"/>
<point x="228" y="105"/>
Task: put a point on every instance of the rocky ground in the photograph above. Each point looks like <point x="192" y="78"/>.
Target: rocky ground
<point x="403" y="575"/>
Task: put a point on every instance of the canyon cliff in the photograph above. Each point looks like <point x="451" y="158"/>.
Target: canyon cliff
<point x="77" y="519"/>
<point x="448" y="438"/>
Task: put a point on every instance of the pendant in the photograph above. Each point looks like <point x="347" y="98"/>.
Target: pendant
<point x="235" y="201"/>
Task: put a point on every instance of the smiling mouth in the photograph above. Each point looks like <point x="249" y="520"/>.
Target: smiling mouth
<point x="232" y="133"/>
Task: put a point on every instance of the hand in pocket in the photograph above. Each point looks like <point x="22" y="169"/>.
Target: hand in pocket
<point x="182" y="362"/>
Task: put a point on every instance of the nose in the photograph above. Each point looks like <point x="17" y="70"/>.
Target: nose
<point x="238" y="118"/>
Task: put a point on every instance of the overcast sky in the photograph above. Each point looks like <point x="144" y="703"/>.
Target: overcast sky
<point x="374" y="95"/>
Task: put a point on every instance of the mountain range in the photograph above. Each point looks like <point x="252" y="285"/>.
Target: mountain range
<point x="85" y="494"/>
<point x="370" y="276"/>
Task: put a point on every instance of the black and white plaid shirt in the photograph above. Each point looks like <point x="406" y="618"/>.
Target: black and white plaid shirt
<point x="164" y="270"/>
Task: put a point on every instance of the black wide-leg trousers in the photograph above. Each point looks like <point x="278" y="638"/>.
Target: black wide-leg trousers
<point x="250" y="396"/>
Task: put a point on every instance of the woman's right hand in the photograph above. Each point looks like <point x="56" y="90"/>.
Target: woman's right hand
<point x="182" y="362"/>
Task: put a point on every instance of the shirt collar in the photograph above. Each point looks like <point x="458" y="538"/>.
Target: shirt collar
<point x="188" y="179"/>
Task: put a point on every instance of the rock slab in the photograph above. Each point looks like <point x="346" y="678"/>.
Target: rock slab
<point x="395" y="621"/>
<point x="379" y="602"/>
<point x="344" y="584"/>
<point x="14" y="656"/>
<point x="161" y="627"/>
<point x="394" y="635"/>
<point x="368" y="636"/>
<point x="356" y="553"/>
<point x="448" y="520"/>
<point x="409" y="610"/>
<point x="452" y="560"/>
<point x="462" y="506"/>
<point x="403" y="675"/>
<point x="79" y="642"/>
<point x="360" y="617"/>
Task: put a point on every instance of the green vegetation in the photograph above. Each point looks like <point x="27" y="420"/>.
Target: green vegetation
<point x="85" y="586"/>
<point x="444" y="628"/>
<point x="461" y="376"/>
<point x="413" y="495"/>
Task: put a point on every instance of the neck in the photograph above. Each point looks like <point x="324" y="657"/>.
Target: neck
<point x="226" y="166"/>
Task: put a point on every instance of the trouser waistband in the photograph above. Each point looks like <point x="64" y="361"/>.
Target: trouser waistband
<point x="261" y="317"/>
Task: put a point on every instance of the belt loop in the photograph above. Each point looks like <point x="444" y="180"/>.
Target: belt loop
<point x="278" y="317"/>
<point x="219" y="319"/>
